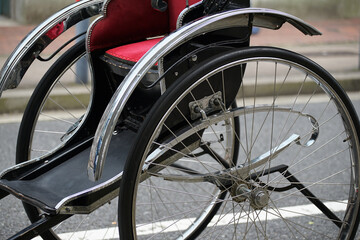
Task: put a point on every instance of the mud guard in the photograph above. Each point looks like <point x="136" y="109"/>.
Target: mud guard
<point x="265" y="18"/>
<point x="38" y="39"/>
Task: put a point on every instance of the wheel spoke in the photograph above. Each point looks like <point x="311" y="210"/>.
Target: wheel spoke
<point x="280" y="164"/>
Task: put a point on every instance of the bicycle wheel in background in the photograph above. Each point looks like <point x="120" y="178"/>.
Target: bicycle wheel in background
<point x="54" y="116"/>
<point x="297" y="174"/>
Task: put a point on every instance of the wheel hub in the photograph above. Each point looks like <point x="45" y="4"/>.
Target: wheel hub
<point x="258" y="197"/>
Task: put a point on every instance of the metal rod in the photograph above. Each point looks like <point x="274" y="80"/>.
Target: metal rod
<point x="82" y="65"/>
<point x="40" y="226"/>
<point x="60" y="48"/>
<point x="312" y="198"/>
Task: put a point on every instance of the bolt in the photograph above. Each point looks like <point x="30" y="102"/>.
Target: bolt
<point x="196" y="109"/>
<point x="241" y="193"/>
<point x="216" y="101"/>
<point x="194" y="58"/>
<point x="221" y="137"/>
<point x="259" y="199"/>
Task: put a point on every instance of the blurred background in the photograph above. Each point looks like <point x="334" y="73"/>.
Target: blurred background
<point x="337" y="50"/>
<point x="34" y="11"/>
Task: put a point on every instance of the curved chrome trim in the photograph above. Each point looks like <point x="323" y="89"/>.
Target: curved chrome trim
<point x="98" y="19"/>
<point x="184" y="12"/>
<point x="62" y="204"/>
<point x="18" y="166"/>
<point x="35" y="42"/>
<point x="268" y="18"/>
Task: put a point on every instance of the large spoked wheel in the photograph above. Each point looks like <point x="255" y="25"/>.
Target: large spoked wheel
<point x="55" y="114"/>
<point x="57" y="108"/>
<point x="297" y="173"/>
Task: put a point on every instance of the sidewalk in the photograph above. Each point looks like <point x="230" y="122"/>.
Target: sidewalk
<point x="337" y="50"/>
<point x="340" y="31"/>
<point x="334" y="31"/>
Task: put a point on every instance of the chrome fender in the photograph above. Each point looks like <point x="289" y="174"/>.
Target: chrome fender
<point x="265" y="18"/>
<point x="38" y="39"/>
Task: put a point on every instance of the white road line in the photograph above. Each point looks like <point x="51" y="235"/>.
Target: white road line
<point x="218" y="220"/>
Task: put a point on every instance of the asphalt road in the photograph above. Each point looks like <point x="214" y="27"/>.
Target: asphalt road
<point x="12" y="216"/>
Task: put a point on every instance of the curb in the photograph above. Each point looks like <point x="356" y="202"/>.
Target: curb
<point x="15" y="101"/>
<point x="350" y="82"/>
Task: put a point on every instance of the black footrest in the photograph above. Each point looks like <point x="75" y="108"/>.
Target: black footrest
<point x="66" y="187"/>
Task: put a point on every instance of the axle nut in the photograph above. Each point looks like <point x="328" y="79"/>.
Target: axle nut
<point x="259" y="199"/>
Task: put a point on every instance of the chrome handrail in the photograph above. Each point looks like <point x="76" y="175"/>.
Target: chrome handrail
<point x="38" y="39"/>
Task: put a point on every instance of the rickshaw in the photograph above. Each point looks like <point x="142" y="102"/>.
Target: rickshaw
<point x="192" y="131"/>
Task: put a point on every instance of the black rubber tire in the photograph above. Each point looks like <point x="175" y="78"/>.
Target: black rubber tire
<point x="145" y="134"/>
<point x="31" y="113"/>
<point x="131" y="166"/>
<point x="33" y="107"/>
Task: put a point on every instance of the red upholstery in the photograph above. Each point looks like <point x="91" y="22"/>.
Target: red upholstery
<point x="134" y="51"/>
<point x="132" y="21"/>
<point x="56" y="31"/>
<point x="125" y="22"/>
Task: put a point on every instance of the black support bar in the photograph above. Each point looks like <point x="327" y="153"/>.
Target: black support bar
<point x="295" y="183"/>
<point x="42" y="225"/>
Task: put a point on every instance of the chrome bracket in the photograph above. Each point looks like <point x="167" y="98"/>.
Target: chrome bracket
<point x="206" y="105"/>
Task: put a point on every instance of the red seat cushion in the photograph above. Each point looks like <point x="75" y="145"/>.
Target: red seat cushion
<point x="134" y="51"/>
